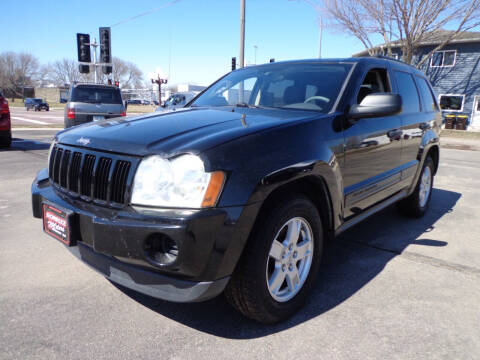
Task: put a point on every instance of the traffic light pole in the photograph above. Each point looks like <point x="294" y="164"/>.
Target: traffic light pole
<point x="95" y="45"/>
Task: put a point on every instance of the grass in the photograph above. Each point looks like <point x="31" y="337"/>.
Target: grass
<point x="141" y="108"/>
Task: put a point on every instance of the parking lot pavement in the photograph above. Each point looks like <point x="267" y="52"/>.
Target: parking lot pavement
<point x="53" y="118"/>
<point x="390" y="288"/>
<point x="22" y="117"/>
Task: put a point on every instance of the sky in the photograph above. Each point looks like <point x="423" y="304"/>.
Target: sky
<point x="191" y="40"/>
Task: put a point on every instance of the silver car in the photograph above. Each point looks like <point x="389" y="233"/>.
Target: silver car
<point x="177" y="100"/>
<point x="93" y="102"/>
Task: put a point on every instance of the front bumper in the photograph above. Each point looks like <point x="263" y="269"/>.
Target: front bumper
<point x="112" y="242"/>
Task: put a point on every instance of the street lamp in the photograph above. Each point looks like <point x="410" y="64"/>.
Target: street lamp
<point x="255" y="47"/>
<point x="159" y="81"/>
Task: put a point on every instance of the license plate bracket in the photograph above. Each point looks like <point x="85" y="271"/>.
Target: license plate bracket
<point x="98" y="118"/>
<point x="57" y="222"/>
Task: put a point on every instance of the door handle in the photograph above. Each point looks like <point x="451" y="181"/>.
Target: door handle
<point x="395" y="134"/>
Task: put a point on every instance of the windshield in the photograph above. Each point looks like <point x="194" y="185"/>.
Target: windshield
<point x="304" y="86"/>
<point x="97" y="95"/>
<point x="37" y="101"/>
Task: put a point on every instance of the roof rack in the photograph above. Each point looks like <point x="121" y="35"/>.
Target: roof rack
<point x="391" y="58"/>
<point x="88" y="83"/>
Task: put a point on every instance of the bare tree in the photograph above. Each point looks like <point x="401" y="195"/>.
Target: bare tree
<point x="403" y="23"/>
<point x="18" y="70"/>
<point x="63" y="72"/>
<point x="127" y="73"/>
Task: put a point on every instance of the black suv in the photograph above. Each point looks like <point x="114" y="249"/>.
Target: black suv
<point x="238" y="192"/>
<point x="36" y="104"/>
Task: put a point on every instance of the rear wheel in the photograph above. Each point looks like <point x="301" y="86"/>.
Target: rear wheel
<point x="416" y="205"/>
<point x="280" y="262"/>
<point x="6" y="142"/>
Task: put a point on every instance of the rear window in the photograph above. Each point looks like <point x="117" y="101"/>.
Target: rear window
<point x="96" y="95"/>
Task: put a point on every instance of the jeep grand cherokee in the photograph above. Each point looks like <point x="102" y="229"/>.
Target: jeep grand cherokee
<point x="238" y="192"/>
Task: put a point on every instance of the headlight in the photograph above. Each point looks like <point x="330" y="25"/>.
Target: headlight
<point x="180" y="183"/>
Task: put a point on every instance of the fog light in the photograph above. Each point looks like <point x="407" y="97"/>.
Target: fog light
<point x="161" y="249"/>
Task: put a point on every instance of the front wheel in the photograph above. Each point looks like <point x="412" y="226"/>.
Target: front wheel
<point x="280" y="262"/>
<point x="416" y="205"/>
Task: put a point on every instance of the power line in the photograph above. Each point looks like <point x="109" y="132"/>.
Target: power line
<point x="148" y="12"/>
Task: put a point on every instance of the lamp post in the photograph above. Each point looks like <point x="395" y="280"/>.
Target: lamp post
<point x="159" y="81"/>
<point x="255" y="48"/>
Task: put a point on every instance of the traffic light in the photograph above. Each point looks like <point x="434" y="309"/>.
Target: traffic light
<point x="105" y="49"/>
<point x="234" y="63"/>
<point x="83" y="49"/>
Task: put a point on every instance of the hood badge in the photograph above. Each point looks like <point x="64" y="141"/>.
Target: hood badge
<point x="83" y="141"/>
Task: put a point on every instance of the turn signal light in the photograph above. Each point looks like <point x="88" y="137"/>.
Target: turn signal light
<point x="123" y="114"/>
<point x="214" y="189"/>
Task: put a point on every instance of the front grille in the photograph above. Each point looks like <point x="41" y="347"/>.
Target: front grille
<point x="92" y="176"/>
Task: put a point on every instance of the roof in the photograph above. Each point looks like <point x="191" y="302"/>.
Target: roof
<point x="435" y="38"/>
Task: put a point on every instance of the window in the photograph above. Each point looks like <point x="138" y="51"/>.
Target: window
<point x="451" y="102"/>
<point x="429" y="102"/>
<point x="408" y="92"/>
<point x="445" y="58"/>
<point x="303" y="86"/>
<point x="376" y="81"/>
<point x="96" y="95"/>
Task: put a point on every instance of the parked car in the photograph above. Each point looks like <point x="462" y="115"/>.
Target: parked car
<point x="36" y="104"/>
<point x="176" y="100"/>
<point x="134" y="102"/>
<point x="92" y="102"/>
<point x="5" y="123"/>
<point x="239" y="192"/>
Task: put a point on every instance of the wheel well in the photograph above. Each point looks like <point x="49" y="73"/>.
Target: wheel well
<point x="435" y="155"/>
<point x="314" y="188"/>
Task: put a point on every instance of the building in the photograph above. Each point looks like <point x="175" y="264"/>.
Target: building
<point x="51" y="94"/>
<point x="454" y="72"/>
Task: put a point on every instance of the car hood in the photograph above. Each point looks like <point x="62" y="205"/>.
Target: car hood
<point x="190" y="130"/>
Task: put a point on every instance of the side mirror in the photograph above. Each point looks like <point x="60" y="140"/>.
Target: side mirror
<point x="377" y="105"/>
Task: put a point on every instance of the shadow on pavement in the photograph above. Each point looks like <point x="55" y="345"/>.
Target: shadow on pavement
<point x="27" y="145"/>
<point x="349" y="262"/>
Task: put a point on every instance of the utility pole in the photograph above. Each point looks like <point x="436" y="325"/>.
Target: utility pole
<point x="242" y="47"/>
<point x="242" y="34"/>
<point x="320" y="42"/>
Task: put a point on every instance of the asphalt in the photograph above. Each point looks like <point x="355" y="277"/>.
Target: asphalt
<point x="390" y="287"/>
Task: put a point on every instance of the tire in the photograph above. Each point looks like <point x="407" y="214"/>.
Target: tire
<point x="6" y="142"/>
<point x="28" y="108"/>
<point x="416" y="205"/>
<point x="248" y="291"/>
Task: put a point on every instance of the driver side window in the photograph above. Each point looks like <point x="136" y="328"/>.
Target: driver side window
<point x="376" y="81"/>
